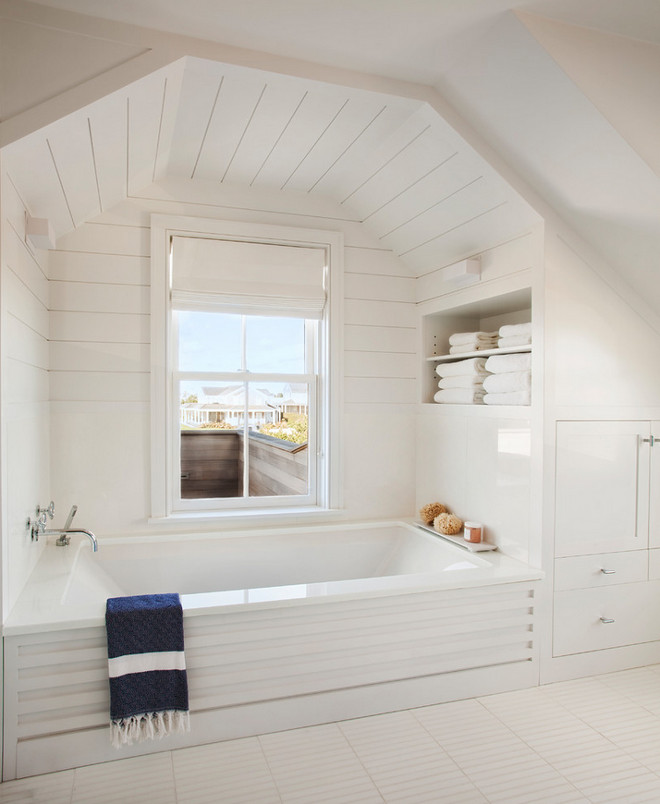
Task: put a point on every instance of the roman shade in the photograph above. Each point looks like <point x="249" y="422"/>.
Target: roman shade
<point x="246" y="277"/>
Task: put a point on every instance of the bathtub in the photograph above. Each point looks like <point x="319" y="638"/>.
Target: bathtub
<point x="283" y="628"/>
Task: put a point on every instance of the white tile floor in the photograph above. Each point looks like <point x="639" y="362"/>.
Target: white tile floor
<point x="592" y="740"/>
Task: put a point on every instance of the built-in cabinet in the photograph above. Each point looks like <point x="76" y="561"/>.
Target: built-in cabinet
<point x="607" y="535"/>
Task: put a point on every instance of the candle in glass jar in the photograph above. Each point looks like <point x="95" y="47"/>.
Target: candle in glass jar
<point x="472" y="532"/>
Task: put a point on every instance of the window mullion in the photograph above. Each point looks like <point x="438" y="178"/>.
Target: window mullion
<point x="244" y="366"/>
<point x="246" y="445"/>
<point x="246" y="409"/>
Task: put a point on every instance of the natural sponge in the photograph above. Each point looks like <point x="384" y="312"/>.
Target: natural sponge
<point x="429" y="512"/>
<point x="449" y="524"/>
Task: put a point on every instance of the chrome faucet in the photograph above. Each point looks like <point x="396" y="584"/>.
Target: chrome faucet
<point x="64" y="538"/>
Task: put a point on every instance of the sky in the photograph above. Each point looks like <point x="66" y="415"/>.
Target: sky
<point x="212" y="342"/>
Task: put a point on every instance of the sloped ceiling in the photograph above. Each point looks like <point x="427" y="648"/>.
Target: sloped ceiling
<point x="569" y="100"/>
<point x="553" y="112"/>
<point x="391" y="163"/>
<point x="37" y="52"/>
<point x="620" y="75"/>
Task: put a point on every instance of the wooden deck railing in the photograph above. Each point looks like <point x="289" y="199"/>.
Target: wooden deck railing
<point x="212" y="465"/>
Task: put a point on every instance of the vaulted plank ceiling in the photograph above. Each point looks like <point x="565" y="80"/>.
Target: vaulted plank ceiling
<point x="565" y="94"/>
<point x="389" y="162"/>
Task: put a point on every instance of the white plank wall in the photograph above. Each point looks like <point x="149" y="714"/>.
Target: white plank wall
<point x="502" y="259"/>
<point x="25" y="410"/>
<point x="99" y="353"/>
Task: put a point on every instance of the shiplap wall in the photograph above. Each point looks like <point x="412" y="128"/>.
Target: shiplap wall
<point x="25" y="412"/>
<point x="99" y="359"/>
<point x="503" y="260"/>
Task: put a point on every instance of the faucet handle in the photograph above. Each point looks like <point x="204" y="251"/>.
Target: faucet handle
<point x="50" y="510"/>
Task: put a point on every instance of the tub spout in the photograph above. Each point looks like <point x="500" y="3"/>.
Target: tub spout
<point x="64" y="537"/>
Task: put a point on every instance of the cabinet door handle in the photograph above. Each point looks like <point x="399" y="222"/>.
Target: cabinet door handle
<point x="651" y="440"/>
<point x="606" y="620"/>
<point x="608" y="572"/>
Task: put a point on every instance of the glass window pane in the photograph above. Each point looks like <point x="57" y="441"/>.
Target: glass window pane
<point x="209" y="341"/>
<point x="275" y="345"/>
<point x="211" y="420"/>
<point x="278" y="454"/>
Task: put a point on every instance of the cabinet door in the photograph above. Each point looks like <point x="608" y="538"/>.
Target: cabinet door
<point x="602" y="481"/>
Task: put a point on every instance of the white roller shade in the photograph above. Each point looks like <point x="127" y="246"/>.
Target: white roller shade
<point x="251" y="278"/>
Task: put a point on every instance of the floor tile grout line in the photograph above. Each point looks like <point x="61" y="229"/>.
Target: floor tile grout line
<point x="174" y="781"/>
<point x="446" y="752"/>
<point x="600" y="680"/>
<point x="270" y="769"/>
<point x="358" y="757"/>
<point x="531" y="748"/>
<point x="627" y="697"/>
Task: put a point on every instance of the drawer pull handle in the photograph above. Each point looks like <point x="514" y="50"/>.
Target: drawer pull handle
<point x="608" y="572"/>
<point x="606" y="620"/>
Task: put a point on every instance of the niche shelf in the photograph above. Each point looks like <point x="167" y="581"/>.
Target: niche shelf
<point x="510" y="350"/>
<point x="459" y="313"/>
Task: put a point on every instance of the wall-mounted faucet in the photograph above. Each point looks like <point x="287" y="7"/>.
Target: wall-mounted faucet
<point x="64" y="538"/>
<point x="37" y="526"/>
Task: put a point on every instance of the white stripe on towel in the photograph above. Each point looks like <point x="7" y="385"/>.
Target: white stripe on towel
<point x="146" y="662"/>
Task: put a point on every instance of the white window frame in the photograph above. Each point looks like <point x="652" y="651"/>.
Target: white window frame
<point x="165" y="499"/>
<point x="309" y="377"/>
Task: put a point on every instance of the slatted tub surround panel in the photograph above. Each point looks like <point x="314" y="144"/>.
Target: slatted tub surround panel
<point x="243" y="659"/>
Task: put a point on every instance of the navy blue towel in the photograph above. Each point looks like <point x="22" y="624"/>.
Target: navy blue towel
<point x="146" y="667"/>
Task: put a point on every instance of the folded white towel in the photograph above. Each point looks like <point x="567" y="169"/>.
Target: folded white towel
<point x="473" y="365"/>
<point x="511" y="330"/>
<point x="461" y="338"/>
<point x="497" y="364"/>
<point x="460" y="396"/>
<point x="510" y="398"/>
<point x="514" y="340"/>
<point x="464" y="381"/>
<point x="466" y="348"/>
<point x="508" y="381"/>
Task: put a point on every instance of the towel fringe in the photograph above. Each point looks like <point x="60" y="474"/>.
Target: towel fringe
<point x="148" y="726"/>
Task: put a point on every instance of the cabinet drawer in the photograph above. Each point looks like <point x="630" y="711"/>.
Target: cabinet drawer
<point x="632" y="607"/>
<point x="602" y="569"/>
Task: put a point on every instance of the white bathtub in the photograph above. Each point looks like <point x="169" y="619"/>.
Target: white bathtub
<point x="283" y="628"/>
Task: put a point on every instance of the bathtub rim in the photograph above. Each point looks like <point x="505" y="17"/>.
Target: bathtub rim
<point x="44" y="590"/>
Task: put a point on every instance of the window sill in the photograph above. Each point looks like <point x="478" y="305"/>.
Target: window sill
<point x="274" y="516"/>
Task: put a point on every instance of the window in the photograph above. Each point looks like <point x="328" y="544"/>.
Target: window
<point x="245" y="387"/>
